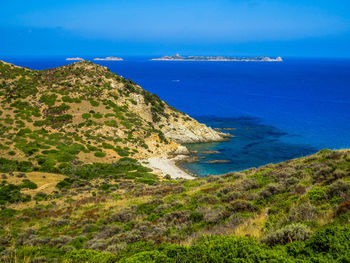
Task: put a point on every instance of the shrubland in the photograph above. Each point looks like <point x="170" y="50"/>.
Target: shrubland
<point x="295" y="211"/>
<point x="71" y="113"/>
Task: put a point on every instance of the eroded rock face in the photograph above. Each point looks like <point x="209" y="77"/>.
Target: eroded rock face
<point x="191" y="131"/>
<point x="177" y="126"/>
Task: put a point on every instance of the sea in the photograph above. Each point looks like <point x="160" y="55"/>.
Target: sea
<point x="275" y="110"/>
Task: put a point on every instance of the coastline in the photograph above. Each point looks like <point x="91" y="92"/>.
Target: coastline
<point x="163" y="166"/>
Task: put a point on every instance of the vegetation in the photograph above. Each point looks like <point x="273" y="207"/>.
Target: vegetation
<point x="56" y="116"/>
<point x="72" y="189"/>
<point x="296" y="211"/>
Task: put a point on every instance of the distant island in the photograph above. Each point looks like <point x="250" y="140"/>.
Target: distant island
<point x="75" y="59"/>
<point x="178" y="57"/>
<point x="109" y="59"/>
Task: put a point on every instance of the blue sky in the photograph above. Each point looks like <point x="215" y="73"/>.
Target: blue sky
<point x="316" y="28"/>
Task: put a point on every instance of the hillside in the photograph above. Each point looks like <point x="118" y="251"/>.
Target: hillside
<point x="72" y="188"/>
<point x="302" y="204"/>
<point x="83" y="113"/>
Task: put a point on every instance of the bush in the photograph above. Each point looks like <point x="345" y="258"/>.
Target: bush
<point x="343" y="208"/>
<point x="235" y="220"/>
<point x="230" y="197"/>
<point x="270" y="190"/>
<point x="100" y="154"/>
<point x="10" y="193"/>
<point x="7" y="165"/>
<point x="241" y="206"/>
<point x="91" y="256"/>
<point x="86" y="116"/>
<point x="332" y="240"/>
<point x="27" y="254"/>
<point x="303" y="212"/>
<point x="123" y="216"/>
<point x="248" y="184"/>
<point x="147" y="208"/>
<point x="12" y="153"/>
<point x="195" y="217"/>
<point x="289" y="233"/>
<point x="49" y="100"/>
<point x="339" y="189"/>
<point x="231" y="249"/>
<point x="94" y="103"/>
<point x="96" y="244"/>
<point x="58" y="223"/>
<point x="28" y="184"/>
<point x="147" y="256"/>
<point x="60" y="241"/>
<point x="167" y="177"/>
<point x="317" y="194"/>
<point x="107" y="232"/>
<point x="40" y="196"/>
<point x="209" y="199"/>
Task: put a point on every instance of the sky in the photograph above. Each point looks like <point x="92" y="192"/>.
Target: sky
<point x="294" y="28"/>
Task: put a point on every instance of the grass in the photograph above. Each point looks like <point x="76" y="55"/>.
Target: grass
<point x="183" y="211"/>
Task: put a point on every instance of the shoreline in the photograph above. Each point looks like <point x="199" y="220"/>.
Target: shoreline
<point x="163" y="166"/>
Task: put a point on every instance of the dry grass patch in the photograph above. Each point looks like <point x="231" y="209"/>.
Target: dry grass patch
<point x="252" y="227"/>
<point x="46" y="182"/>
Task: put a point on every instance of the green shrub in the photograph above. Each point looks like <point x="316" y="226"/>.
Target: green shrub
<point x="100" y="154"/>
<point x="10" y="193"/>
<point x="241" y="206"/>
<point x="289" y="233"/>
<point x="97" y="115"/>
<point x="11" y="165"/>
<point x="40" y="196"/>
<point x="94" y="103"/>
<point x="317" y="194"/>
<point x="196" y="217"/>
<point x="146" y="181"/>
<point x="49" y="100"/>
<point x="86" y="116"/>
<point x="147" y="256"/>
<point x="28" y="184"/>
<point x="148" y="208"/>
<point x="91" y="256"/>
<point x="66" y="183"/>
<point x="232" y="249"/>
<point x="339" y="189"/>
<point x="12" y="153"/>
<point x="111" y="123"/>
<point x="70" y="99"/>
<point x="332" y="240"/>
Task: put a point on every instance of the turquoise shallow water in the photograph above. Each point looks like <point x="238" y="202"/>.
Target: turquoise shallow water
<point x="254" y="144"/>
<point x="280" y="110"/>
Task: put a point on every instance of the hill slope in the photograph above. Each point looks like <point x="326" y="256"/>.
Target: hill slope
<point x="302" y="204"/>
<point x="84" y="113"/>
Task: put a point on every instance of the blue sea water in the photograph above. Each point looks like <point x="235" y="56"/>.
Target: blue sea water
<point x="279" y="110"/>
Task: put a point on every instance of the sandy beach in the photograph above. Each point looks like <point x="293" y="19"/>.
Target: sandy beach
<point x="163" y="166"/>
